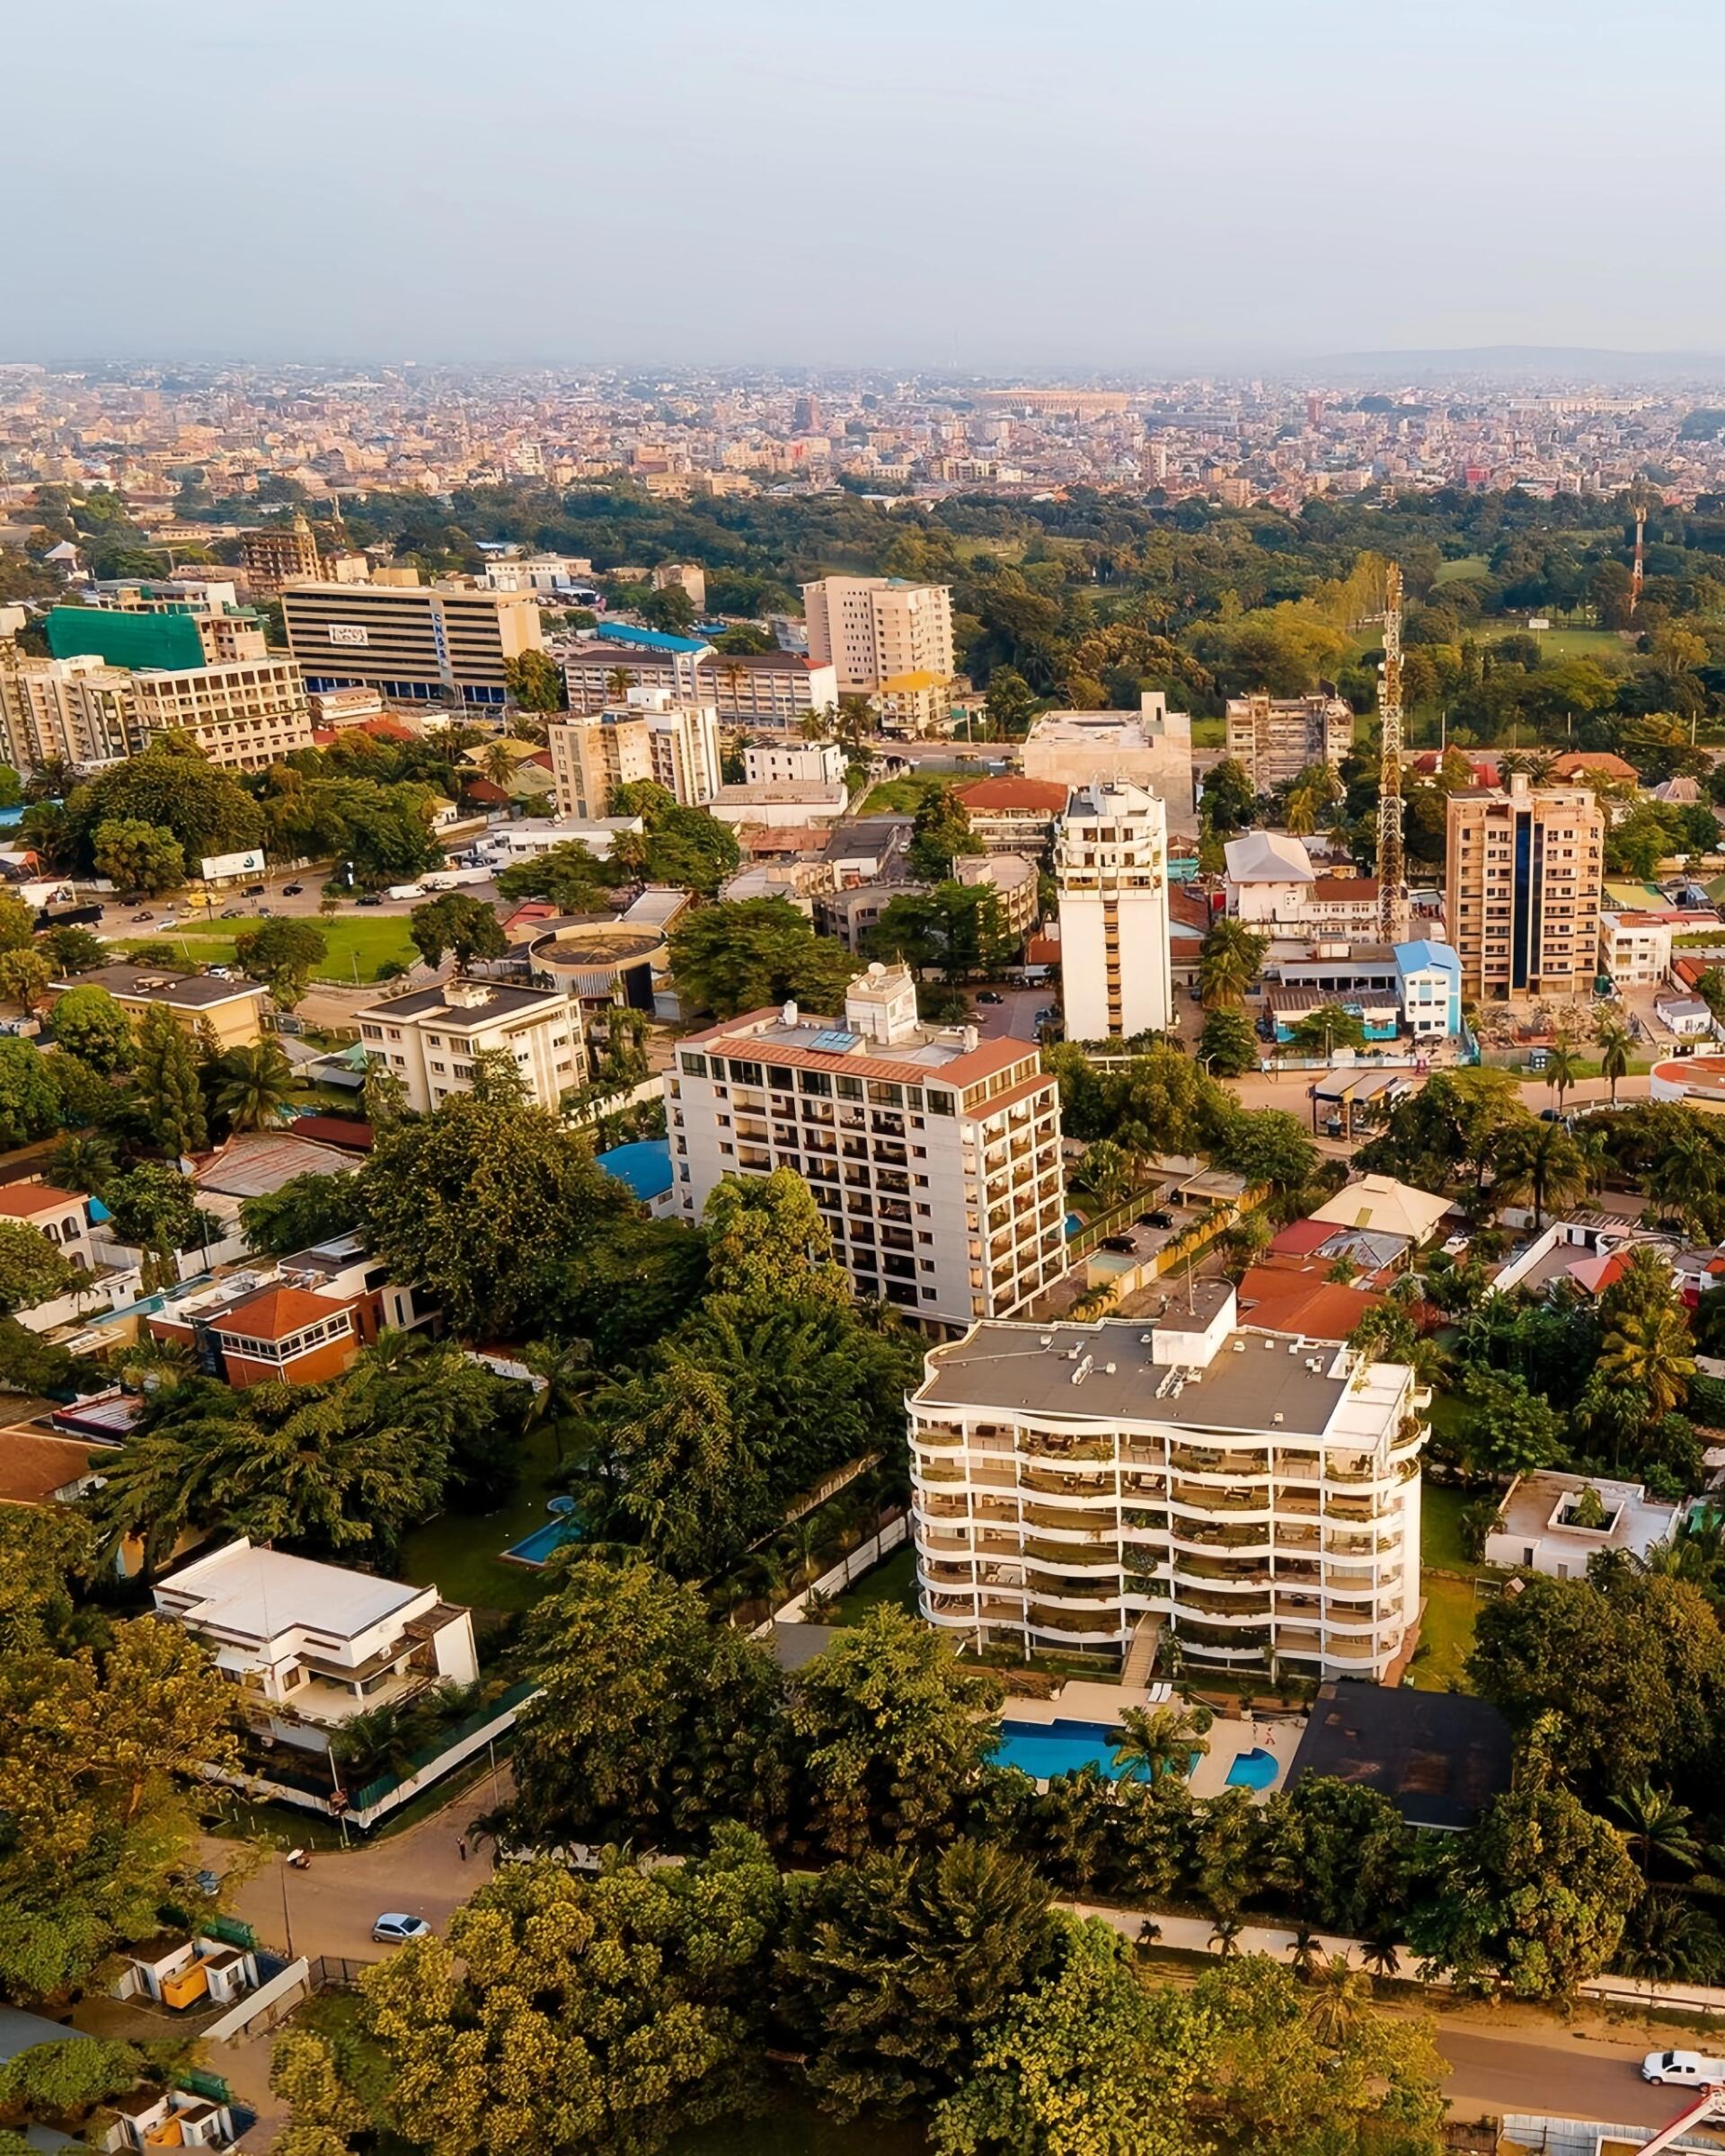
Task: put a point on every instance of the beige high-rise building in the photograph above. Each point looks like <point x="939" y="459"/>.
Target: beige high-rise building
<point x="934" y="1157"/>
<point x="648" y="735"/>
<point x="416" y="643"/>
<point x="1110" y="863"/>
<point x="1526" y="865"/>
<point x="67" y="711"/>
<point x="245" y="715"/>
<point x="1275" y="738"/>
<point x="279" y="554"/>
<point x="881" y="635"/>
<point x="687" y="576"/>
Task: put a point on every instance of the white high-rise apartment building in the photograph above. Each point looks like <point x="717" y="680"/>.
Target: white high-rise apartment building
<point x="934" y="1157"/>
<point x="648" y="735"/>
<point x="874" y="630"/>
<point x="1255" y="1494"/>
<point x="1110" y="863"/>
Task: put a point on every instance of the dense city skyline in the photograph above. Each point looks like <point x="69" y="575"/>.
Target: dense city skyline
<point x="1150" y="190"/>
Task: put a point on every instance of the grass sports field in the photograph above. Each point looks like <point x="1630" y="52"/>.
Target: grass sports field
<point x="358" y="947"/>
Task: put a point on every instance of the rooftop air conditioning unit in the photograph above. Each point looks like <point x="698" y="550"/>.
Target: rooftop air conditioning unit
<point x="1276" y="1417"/>
<point x="1239" y="1347"/>
<point x="1108" y="1369"/>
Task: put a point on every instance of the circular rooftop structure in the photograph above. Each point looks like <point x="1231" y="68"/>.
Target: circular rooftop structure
<point x="1696" y="1081"/>
<point x="602" y="960"/>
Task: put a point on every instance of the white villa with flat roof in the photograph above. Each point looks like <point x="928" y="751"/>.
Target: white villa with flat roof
<point x="313" y="1644"/>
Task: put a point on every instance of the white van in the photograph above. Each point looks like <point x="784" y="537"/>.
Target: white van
<point x="1692" y="2068"/>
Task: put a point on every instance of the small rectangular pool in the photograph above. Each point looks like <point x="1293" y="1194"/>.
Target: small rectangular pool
<point x="1044" y="1749"/>
<point x="539" y="1547"/>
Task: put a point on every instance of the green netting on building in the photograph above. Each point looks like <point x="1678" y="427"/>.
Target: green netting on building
<point x="125" y="640"/>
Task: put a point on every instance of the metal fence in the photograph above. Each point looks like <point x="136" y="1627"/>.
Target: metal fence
<point x="373" y="1792"/>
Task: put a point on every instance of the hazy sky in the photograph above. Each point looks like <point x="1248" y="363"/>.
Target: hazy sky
<point x="988" y="183"/>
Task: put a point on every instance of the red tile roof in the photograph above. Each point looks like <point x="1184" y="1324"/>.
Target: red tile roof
<point x="1299" y="1299"/>
<point x="334" y="1130"/>
<point x="1040" y="797"/>
<point x="23" y="1201"/>
<point x="274" y="1313"/>
<point x="1300" y="1238"/>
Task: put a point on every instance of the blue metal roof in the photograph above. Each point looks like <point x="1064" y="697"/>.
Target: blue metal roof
<point x="645" y="1166"/>
<point x="1423" y="952"/>
<point x="647" y="640"/>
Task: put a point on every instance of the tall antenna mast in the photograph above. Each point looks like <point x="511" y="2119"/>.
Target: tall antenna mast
<point x="1639" y="567"/>
<point x="1391" y="867"/>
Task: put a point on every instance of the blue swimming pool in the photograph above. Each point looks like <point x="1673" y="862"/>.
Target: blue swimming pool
<point x="1044" y="1749"/>
<point x="1253" y="1770"/>
<point x="1074" y="1222"/>
<point x="544" y="1543"/>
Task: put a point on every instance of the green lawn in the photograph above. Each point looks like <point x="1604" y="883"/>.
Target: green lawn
<point x="360" y="944"/>
<point x="1445" y="1635"/>
<point x="903" y="796"/>
<point x="1209" y="733"/>
<point x="1447" y="1582"/>
<point x="1470" y="568"/>
<point x="1441" y="1506"/>
<point x="459" y="1553"/>
<point x="895" y="1581"/>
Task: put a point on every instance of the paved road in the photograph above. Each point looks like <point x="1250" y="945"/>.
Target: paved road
<point x="1556" y="2071"/>
<point x="1014" y="1017"/>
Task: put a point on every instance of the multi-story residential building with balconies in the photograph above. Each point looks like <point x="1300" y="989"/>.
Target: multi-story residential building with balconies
<point x="1525" y="868"/>
<point x="1110" y="863"/>
<point x="1253" y="1495"/>
<point x="934" y="1157"/>
<point x="1275" y="738"/>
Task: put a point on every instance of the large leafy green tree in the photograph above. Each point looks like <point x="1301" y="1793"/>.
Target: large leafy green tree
<point x="565" y="2014"/>
<point x="306" y="1209"/>
<point x="754" y="953"/>
<point x="100" y="1744"/>
<point x="455" y="921"/>
<point x="138" y="859"/>
<point x="1086" y="2062"/>
<point x="955" y="927"/>
<point x="1228" y="962"/>
<point x="1534" y="1900"/>
<point x="203" y="809"/>
<point x="892" y="1732"/>
<point x="894" y="1969"/>
<point x="684" y="847"/>
<point x="89" y="1023"/>
<point x="283" y="955"/>
<point x="571" y="876"/>
<point x="488" y="1205"/>
<point x="31" y="1268"/>
<point x="31" y="1104"/>
<point x="1634" y="1662"/>
<point x="766" y="1236"/>
<point x="652" y="1724"/>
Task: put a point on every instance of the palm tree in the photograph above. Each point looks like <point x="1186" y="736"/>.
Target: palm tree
<point x="1658" y="1826"/>
<point x="1539" y="1161"/>
<point x="1228" y="961"/>
<point x="1340" y="1996"/>
<point x="1667" y="1939"/>
<point x="256" y="1084"/>
<point x="498" y="763"/>
<point x="1300" y="814"/>
<point x="566" y="1366"/>
<point x="82" y="1161"/>
<point x="1651" y="1351"/>
<point x="1563" y="1068"/>
<point x="1615" y="1047"/>
<point x="1161" y="1740"/>
<point x="1685" y="1172"/>
<point x="1225" y="1934"/>
<point x="1149" y="1933"/>
<point x="620" y="680"/>
<point x="1304" y="1955"/>
<point x="1382" y="1953"/>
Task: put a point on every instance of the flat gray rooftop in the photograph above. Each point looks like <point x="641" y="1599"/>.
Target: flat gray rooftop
<point x="1005" y="1367"/>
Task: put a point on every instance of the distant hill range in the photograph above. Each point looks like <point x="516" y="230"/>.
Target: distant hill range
<point x="1565" y="362"/>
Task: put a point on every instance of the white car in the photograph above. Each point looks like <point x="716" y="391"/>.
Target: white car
<point x="1692" y="2068"/>
<point x="393" y="1929"/>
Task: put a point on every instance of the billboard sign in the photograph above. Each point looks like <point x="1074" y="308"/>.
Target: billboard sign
<point x="347" y="633"/>
<point x="215" y="867"/>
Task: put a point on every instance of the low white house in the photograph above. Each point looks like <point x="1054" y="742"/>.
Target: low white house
<point x="1686" y="1016"/>
<point x="312" y="1645"/>
<point x="1554" y="1524"/>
